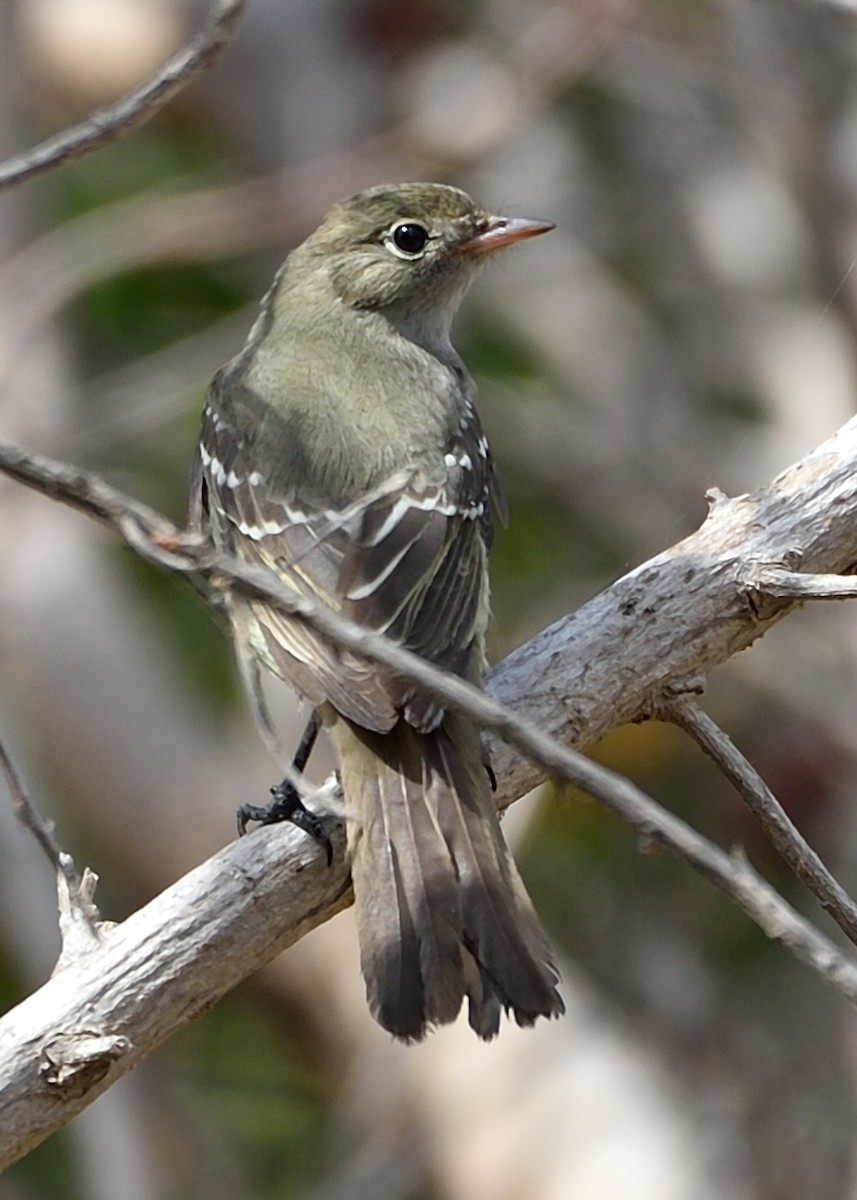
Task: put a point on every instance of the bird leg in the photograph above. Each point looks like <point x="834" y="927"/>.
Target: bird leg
<point x="287" y="804"/>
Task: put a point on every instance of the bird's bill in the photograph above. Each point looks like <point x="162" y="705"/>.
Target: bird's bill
<point x="505" y="231"/>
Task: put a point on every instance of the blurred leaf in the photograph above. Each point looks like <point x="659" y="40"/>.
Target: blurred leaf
<point x="734" y="406"/>
<point x="135" y="314"/>
<point x="166" y="153"/>
<point x="264" y="1095"/>
<point x="493" y="350"/>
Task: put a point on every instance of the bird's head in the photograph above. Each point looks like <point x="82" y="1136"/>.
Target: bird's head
<point x="411" y="246"/>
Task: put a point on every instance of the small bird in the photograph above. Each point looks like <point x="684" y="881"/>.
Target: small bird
<point x="341" y="450"/>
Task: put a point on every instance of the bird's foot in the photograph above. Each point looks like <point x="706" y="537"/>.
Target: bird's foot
<point x="285" y="806"/>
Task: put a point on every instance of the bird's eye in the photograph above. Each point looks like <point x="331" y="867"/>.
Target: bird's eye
<point x="409" y="238"/>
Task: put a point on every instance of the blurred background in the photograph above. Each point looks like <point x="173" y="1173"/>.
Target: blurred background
<point x="691" y="323"/>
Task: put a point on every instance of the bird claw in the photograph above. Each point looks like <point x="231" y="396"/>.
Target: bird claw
<point x="285" y="806"/>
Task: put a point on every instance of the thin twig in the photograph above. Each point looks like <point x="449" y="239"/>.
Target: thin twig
<point x="139" y="525"/>
<point x="783" y="584"/>
<point x="761" y="801"/>
<point x="32" y="820"/>
<point x="137" y="106"/>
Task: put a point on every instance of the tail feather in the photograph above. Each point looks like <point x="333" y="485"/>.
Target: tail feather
<point x="501" y="929"/>
<point x="441" y="910"/>
<point x="427" y="899"/>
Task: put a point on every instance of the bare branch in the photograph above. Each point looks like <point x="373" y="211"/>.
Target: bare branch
<point x="680" y="613"/>
<point x="94" y="1020"/>
<point x="80" y="921"/>
<point x="137" y="106"/>
<point x="26" y="813"/>
<point x="140" y="526"/>
<point x="761" y="801"/>
<point x="674" y="617"/>
<point x="780" y="583"/>
<point x="683" y="613"/>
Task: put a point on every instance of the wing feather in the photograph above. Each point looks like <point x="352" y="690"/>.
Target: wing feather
<point x="406" y="559"/>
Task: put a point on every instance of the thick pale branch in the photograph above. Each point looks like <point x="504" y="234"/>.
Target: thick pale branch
<point x="670" y="622"/>
<point x="649" y="635"/>
<point x="95" y="1019"/>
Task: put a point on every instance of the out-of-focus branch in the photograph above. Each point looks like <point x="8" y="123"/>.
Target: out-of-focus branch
<point x="137" y="106"/>
<point x="214" y="222"/>
<point x="190" y="227"/>
<point x="843" y="6"/>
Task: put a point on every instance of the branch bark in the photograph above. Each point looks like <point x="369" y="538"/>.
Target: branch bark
<point x="655" y="633"/>
<point x="663" y="627"/>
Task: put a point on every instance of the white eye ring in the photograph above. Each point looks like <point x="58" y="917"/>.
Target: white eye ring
<point x="407" y="239"/>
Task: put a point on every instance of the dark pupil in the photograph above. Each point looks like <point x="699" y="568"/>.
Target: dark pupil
<point x="410" y="239"/>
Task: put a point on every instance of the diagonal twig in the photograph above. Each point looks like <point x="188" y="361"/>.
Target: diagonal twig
<point x="136" y="107"/>
<point x="31" y="819"/>
<point x="758" y="797"/>
<point x="80" y="921"/>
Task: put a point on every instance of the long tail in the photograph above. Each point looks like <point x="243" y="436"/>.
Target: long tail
<point x="441" y="910"/>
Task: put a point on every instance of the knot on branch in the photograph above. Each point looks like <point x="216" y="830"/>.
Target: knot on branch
<point x="72" y="1063"/>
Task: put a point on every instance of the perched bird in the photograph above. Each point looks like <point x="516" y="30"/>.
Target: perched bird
<point x="341" y="450"/>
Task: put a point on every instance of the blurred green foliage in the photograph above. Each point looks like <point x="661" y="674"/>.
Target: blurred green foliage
<point x="262" y="1095"/>
<point x="168" y="154"/>
<point x="138" y="313"/>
